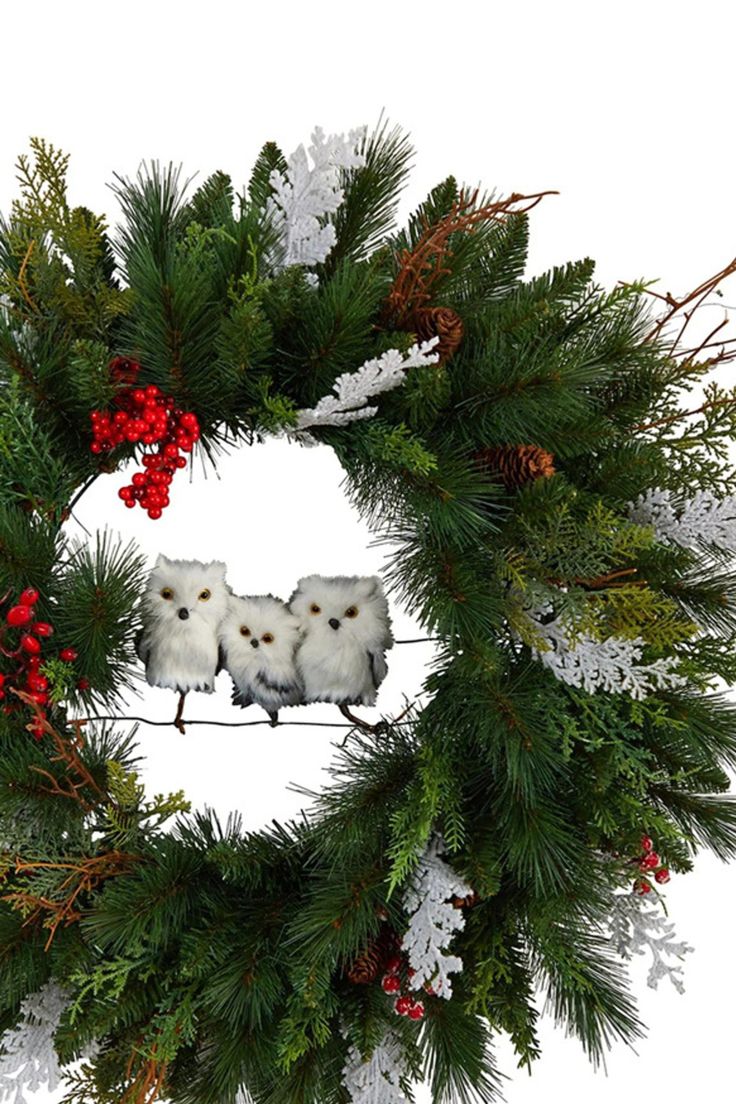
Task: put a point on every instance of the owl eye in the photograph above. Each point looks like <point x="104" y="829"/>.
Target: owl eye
<point x="205" y="595"/>
<point x="351" y="612"/>
<point x="244" y="630"/>
<point x="314" y="608"/>
<point x="267" y="638"/>
<point x="167" y="593"/>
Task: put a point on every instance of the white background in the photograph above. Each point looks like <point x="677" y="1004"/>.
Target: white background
<point x="626" y="108"/>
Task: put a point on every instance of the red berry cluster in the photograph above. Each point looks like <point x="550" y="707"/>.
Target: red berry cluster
<point x="146" y="416"/>
<point x="26" y="656"/>
<point x="649" y="862"/>
<point x="405" y="1004"/>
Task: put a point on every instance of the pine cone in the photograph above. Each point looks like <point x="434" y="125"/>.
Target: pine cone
<point x="442" y="322"/>
<point x="364" y="969"/>
<point x="516" y="465"/>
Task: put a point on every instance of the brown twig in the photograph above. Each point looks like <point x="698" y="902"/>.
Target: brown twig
<point x="67" y="751"/>
<point x="84" y="876"/>
<point x="148" y="1082"/>
<point x="696" y="297"/>
<point x="672" y="418"/>
<point x="422" y="266"/>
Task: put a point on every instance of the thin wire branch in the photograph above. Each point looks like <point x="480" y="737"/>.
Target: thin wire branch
<point x="232" y="724"/>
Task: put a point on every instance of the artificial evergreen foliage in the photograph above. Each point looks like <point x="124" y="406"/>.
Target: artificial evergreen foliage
<point x="540" y="472"/>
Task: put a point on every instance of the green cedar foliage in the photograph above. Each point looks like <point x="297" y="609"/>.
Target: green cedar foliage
<point x="217" y="957"/>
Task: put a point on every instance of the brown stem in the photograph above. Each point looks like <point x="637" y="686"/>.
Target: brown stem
<point x="682" y="414"/>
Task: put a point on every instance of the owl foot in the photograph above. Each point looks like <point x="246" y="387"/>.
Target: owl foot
<point x="274" y="717"/>
<point x="363" y="725"/>
<point x="178" y="722"/>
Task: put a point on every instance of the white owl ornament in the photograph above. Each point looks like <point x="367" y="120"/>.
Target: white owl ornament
<point x="258" y="642"/>
<point x="183" y="606"/>
<point x="346" y="632"/>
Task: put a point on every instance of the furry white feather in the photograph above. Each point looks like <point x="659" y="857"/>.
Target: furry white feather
<point x="258" y="641"/>
<point x="346" y="632"/>
<point x="183" y="606"/>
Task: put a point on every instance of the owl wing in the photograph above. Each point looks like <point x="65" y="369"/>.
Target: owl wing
<point x="281" y="687"/>
<point x="379" y="667"/>
<point x="141" y="647"/>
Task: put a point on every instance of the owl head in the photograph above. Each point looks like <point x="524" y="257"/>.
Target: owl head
<point x="258" y="632"/>
<point x="186" y="592"/>
<point x="344" y="606"/>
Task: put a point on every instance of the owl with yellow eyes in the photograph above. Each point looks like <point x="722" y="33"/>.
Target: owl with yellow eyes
<point x="346" y="631"/>
<point x="258" y="643"/>
<point x="182" y="608"/>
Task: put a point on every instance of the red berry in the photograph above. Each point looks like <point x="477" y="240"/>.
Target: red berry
<point x="642" y="888"/>
<point x="38" y="697"/>
<point x="139" y="479"/>
<point x="83" y="684"/>
<point x="2" y="695"/>
<point x="393" y="965"/>
<point x="155" y="513"/>
<point x="181" y="462"/>
<point x="2" y="680"/>
<point x="33" y="663"/>
<point x="650" y="861"/>
<point x="189" y="422"/>
<point x="42" y="628"/>
<point x="646" y="843"/>
<point x="391" y="983"/>
<point x="185" y="442"/>
<point x="125" y="493"/>
<point x="403" y="1005"/>
<point x="19" y="615"/>
<point x="39" y="683"/>
<point x="662" y="876"/>
<point x="95" y="447"/>
<point x="416" y="1011"/>
<point x="130" y="503"/>
<point x="29" y="597"/>
<point x="171" y="451"/>
<point x="29" y="644"/>
<point x="68" y="655"/>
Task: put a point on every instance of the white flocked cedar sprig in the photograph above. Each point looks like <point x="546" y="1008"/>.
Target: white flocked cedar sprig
<point x="613" y="665"/>
<point x="352" y="391"/>
<point x="434" y="921"/>
<point x="638" y="928"/>
<point x="28" y="1058"/>
<point x="305" y="195"/>
<point x="690" y="523"/>
<point x="378" y="1079"/>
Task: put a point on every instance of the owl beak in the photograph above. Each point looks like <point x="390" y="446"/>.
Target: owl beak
<point x="254" y="643"/>
<point x="334" y="623"/>
<point x="183" y="614"/>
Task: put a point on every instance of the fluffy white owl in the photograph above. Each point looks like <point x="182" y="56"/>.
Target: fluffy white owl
<point x="346" y="633"/>
<point x="258" y="642"/>
<point x="183" y="606"/>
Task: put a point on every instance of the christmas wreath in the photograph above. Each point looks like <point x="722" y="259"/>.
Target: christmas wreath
<point x="561" y="521"/>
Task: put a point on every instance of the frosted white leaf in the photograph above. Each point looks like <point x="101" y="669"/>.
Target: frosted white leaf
<point x="306" y="193"/>
<point x="434" y="921"/>
<point x="690" y="523"/>
<point x="376" y="1080"/>
<point x="28" y="1058"/>
<point x="352" y="391"/>
<point x="612" y="665"/>
<point x="637" y="928"/>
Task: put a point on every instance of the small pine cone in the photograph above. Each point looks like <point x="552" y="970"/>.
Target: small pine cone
<point x="441" y="322"/>
<point x="516" y="465"/>
<point x="364" y="969"/>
